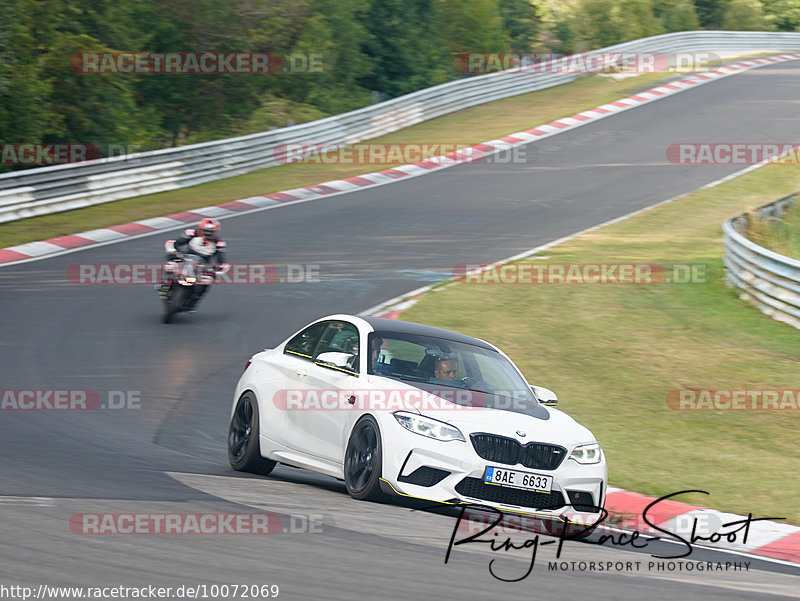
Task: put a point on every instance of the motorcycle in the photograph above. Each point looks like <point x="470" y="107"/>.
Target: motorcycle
<point x="185" y="278"/>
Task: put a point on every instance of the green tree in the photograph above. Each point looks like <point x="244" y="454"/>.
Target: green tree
<point x="785" y="14"/>
<point x="559" y="30"/>
<point x="354" y="52"/>
<point x="25" y="114"/>
<point x="196" y="107"/>
<point x="709" y="13"/>
<point x="406" y="46"/>
<point x="44" y="100"/>
<point x="639" y="19"/>
<point x="599" y="23"/>
<point x="602" y="23"/>
<point x="520" y="22"/>
<point x="97" y="109"/>
<point x="330" y="47"/>
<point x="677" y="15"/>
<point x="473" y="26"/>
<point x="745" y="15"/>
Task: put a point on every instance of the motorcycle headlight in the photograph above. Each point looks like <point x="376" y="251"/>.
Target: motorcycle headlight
<point x="427" y="426"/>
<point x="587" y="453"/>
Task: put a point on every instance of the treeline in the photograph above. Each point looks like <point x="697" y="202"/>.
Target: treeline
<point x="368" y="50"/>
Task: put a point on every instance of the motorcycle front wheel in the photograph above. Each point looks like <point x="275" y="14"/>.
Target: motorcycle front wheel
<point x="174" y="302"/>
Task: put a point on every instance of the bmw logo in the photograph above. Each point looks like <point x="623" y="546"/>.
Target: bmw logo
<point x="521" y="434"/>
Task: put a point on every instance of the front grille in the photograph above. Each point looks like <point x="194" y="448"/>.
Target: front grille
<point x="536" y="455"/>
<point x="542" y="456"/>
<point x="496" y="448"/>
<point x="424" y="476"/>
<point x="476" y="489"/>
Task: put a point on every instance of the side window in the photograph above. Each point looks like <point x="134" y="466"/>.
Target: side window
<point x="304" y="343"/>
<point x="402" y="349"/>
<point x="340" y="337"/>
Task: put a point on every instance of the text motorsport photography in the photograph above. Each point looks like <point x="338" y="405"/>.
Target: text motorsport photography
<point x="513" y="537"/>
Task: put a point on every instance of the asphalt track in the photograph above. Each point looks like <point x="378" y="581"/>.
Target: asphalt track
<point x="169" y="454"/>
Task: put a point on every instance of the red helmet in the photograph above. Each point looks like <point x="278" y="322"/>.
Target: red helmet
<point x="209" y="229"/>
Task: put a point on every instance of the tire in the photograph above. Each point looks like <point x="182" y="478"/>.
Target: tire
<point x="363" y="460"/>
<point x="244" y="450"/>
<point x="174" y="302"/>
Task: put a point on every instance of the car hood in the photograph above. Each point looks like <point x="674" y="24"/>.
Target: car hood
<point x="456" y="399"/>
<point x="537" y="422"/>
<point x="559" y="429"/>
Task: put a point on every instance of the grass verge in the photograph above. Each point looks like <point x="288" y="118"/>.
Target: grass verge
<point x="779" y="235"/>
<point x="467" y="127"/>
<point x="612" y="353"/>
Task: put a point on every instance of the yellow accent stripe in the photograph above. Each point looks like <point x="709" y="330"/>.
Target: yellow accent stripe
<point x="347" y="371"/>
<point x="544" y="515"/>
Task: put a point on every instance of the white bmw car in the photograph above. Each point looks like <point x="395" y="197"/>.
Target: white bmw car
<point x="399" y="408"/>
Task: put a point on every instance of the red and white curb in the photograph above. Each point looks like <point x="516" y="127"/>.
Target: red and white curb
<point x="72" y="243"/>
<point x="765" y="539"/>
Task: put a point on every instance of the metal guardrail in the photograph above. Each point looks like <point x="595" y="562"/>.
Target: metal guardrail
<point x="63" y="187"/>
<point x="767" y="279"/>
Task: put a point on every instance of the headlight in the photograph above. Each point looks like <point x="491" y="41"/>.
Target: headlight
<point x="426" y="426"/>
<point x="587" y="453"/>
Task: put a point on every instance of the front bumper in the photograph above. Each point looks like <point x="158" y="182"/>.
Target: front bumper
<point x="452" y="472"/>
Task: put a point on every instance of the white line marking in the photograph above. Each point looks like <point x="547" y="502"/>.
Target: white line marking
<point x="161" y="223"/>
<point x="388" y="305"/>
<point x="101" y="235"/>
<point x="36" y="501"/>
<point x="35" y="249"/>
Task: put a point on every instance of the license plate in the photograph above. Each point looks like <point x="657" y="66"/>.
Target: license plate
<point x="500" y="476"/>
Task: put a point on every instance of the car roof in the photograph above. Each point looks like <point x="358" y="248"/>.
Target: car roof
<point x="382" y="324"/>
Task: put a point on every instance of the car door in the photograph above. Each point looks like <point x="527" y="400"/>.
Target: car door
<point x="291" y="388"/>
<point x="324" y="426"/>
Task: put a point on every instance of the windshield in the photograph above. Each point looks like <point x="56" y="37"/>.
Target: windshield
<point x="426" y="360"/>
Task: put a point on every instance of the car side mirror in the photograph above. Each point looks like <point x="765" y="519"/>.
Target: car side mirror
<point x="545" y="396"/>
<point x="337" y="361"/>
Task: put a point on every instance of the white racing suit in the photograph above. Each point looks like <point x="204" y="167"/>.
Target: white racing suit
<point x="210" y="251"/>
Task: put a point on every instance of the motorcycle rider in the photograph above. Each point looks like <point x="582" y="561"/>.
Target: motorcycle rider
<point x="202" y="241"/>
